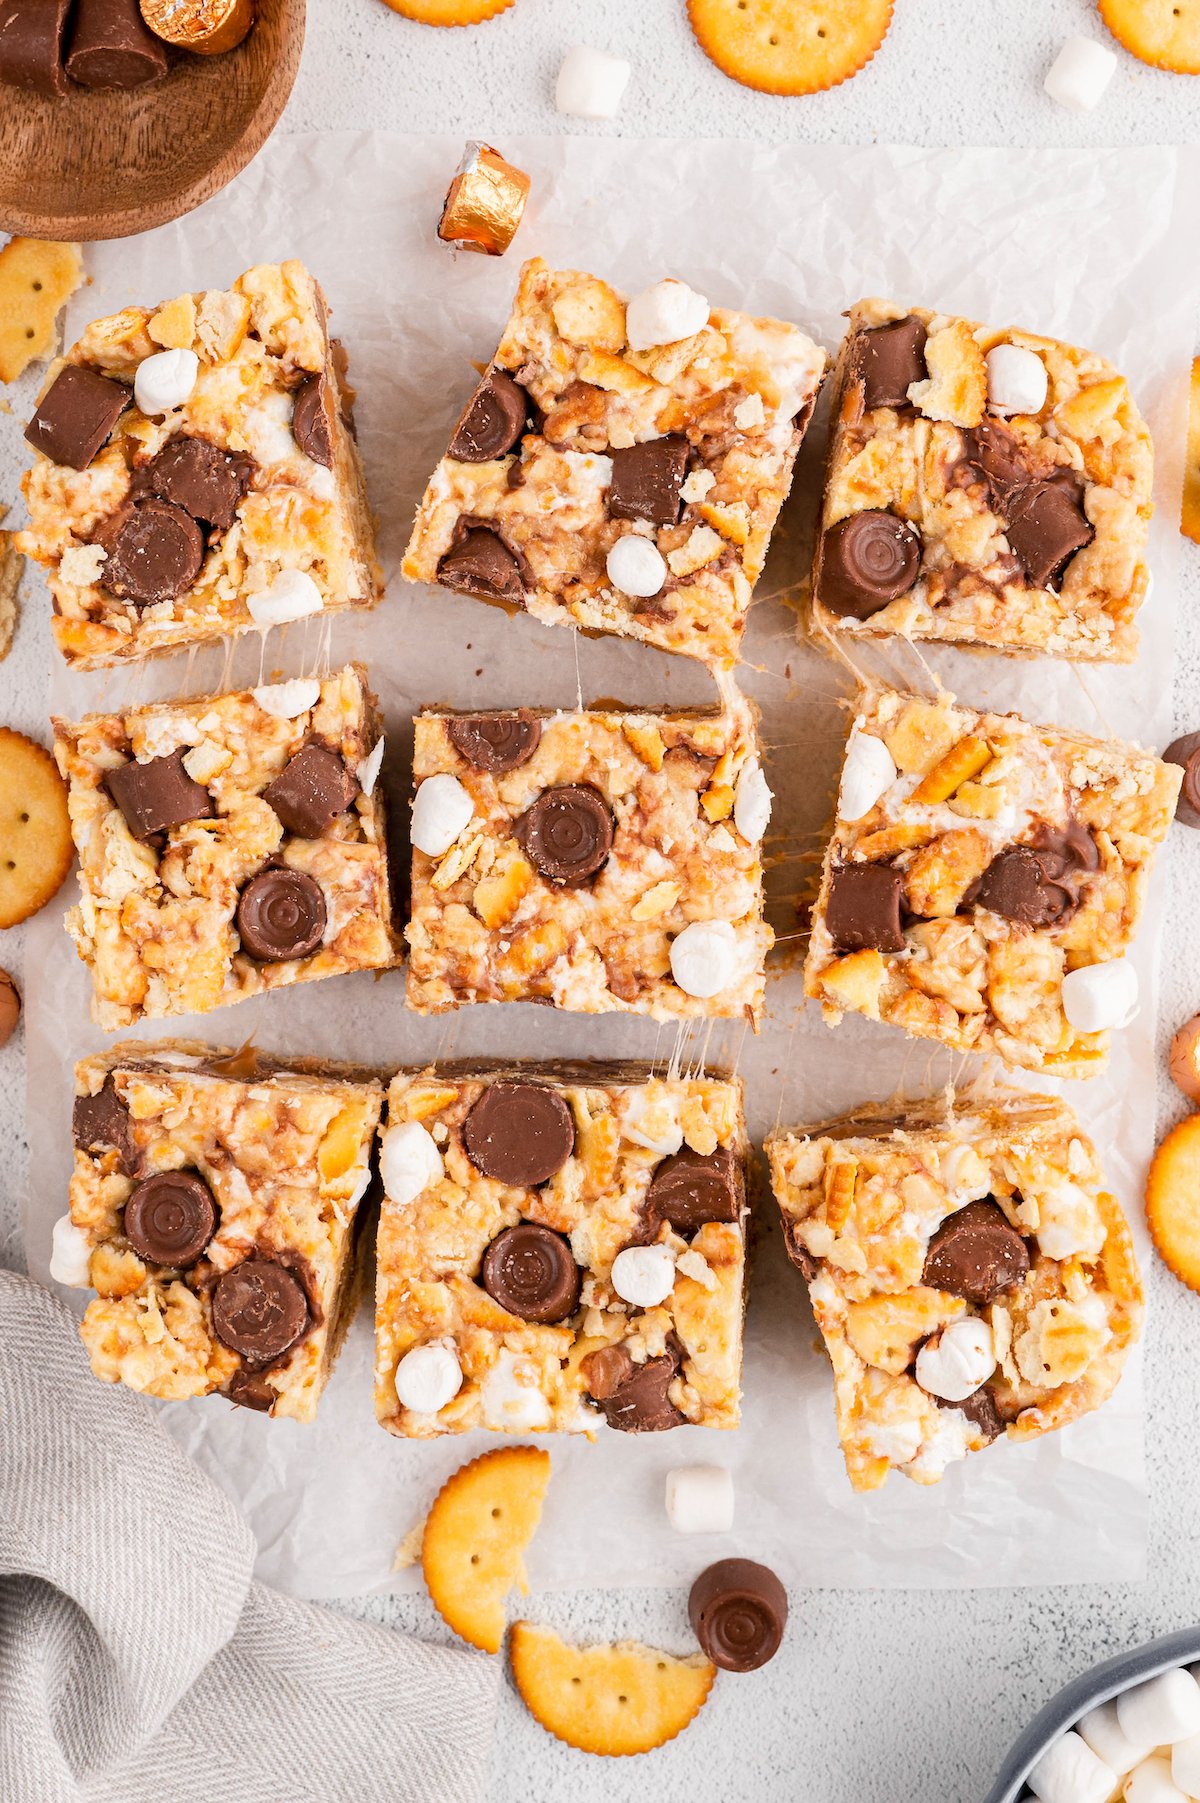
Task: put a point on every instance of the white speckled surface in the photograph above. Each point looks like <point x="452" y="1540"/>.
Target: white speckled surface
<point x="907" y="1697"/>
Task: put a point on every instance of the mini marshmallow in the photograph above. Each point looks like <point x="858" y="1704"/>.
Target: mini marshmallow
<point x="644" y="1275"/>
<point x="288" y="700"/>
<point x="1108" y="1741"/>
<point x="1185" y="1764"/>
<point x="1079" y="74"/>
<point x="291" y="596"/>
<point x="654" y="1125"/>
<point x="165" y="380"/>
<point x="1152" y="1783"/>
<point x="752" y="803"/>
<point x="1097" y="996"/>
<point x="704" y="958"/>
<point x="428" y="1377"/>
<point x="367" y="771"/>
<point x="961" y="1358"/>
<point x="1016" y="379"/>
<point x="70" y="1255"/>
<point x="360" y="1188"/>
<point x="867" y="775"/>
<point x="635" y="565"/>
<point x="700" y="1499"/>
<point x="664" y="314"/>
<point x="408" y="1161"/>
<point x="441" y="809"/>
<point x="1161" y="1711"/>
<point x="590" y="83"/>
<point x="510" y="1399"/>
<point x="1069" y="1772"/>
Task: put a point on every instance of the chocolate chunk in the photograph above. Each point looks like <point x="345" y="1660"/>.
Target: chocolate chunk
<point x="738" y="1610"/>
<point x="976" y="1254"/>
<point x="863" y="909"/>
<point x="31" y="51"/>
<point x="112" y="47"/>
<point x="200" y="477"/>
<point x="798" y="1252"/>
<point x="1045" y="526"/>
<point x="158" y="794"/>
<point x="311" y="790"/>
<point x="495" y="742"/>
<point x="170" y="1218"/>
<point x="155" y="551"/>
<point x="492" y="422"/>
<point x="101" y="1123"/>
<point x="480" y="563"/>
<point x="567" y="832"/>
<point x="866" y="561"/>
<point x="77" y="413"/>
<point x="980" y="1409"/>
<point x="259" y="1309"/>
<point x="886" y="359"/>
<point x="635" y="1400"/>
<point x="313" y="419"/>
<point x="1038" y="884"/>
<point x="1186" y="753"/>
<point x="646" y="479"/>
<point x="690" y="1188"/>
<point x="347" y="395"/>
<point x="280" y="915"/>
<point x="519" y="1133"/>
<point x="992" y="453"/>
<point x="250" y="1390"/>
<point x="605" y="1370"/>
<point x="532" y="1273"/>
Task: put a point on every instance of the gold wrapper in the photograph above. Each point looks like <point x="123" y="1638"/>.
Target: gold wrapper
<point x="485" y="202"/>
<point x="206" y="26"/>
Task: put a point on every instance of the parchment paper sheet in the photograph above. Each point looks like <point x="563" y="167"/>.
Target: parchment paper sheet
<point x="1081" y="245"/>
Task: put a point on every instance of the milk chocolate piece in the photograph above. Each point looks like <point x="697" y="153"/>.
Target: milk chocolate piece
<point x="981" y="1411"/>
<point x="170" y="1218"/>
<point x="635" y="1400"/>
<point x="204" y="479"/>
<point x="495" y="742"/>
<point x="111" y="47"/>
<point x="1038" y="884"/>
<point x="1045" y="527"/>
<point x="646" y="479"/>
<point x="867" y="560"/>
<point x="311" y="790"/>
<point x="101" y="1123"/>
<point x="519" y="1133"/>
<point x="690" y="1188"/>
<point x="1186" y="753"/>
<point x="76" y="414"/>
<point x="480" y="563"/>
<point x="738" y="1610"/>
<point x="886" y="360"/>
<point x="158" y="794"/>
<point x="977" y="1254"/>
<point x="31" y="50"/>
<point x="531" y="1271"/>
<point x="155" y="551"/>
<point x="863" y="909"/>
<point x="313" y="419"/>
<point x="281" y="915"/>
<point x="259" y="1309"/>
<point x="493" y="420"/>
<point x="567" y="833"/>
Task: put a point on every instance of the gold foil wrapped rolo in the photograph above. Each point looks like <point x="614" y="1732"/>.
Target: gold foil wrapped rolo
<point x="485" y="202"/>
<point x="208" y="27"/>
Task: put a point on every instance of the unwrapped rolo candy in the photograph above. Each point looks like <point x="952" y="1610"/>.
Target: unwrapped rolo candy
<point x="484" y="202"/>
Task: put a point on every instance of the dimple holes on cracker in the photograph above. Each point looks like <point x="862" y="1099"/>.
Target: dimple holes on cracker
<point x="614" y="1700"/>
<point x="790" y="46"/>
<point x="36" y="279"/>
<point x="481" y="1521"/>
<point x="35" y="828"/>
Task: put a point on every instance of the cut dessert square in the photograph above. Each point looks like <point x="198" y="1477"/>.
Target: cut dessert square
<point x="601" y="861"/>
<point x="984" y="879"/>
<point x="620" y="466"/>
<point x="968" y="1272"/>
<point x="227" y="845"/>
<point x="984" y="487"/>
<point x="197" y="475"/>
<point x="214" y="1209"/>
<point x="560" y="1247"/>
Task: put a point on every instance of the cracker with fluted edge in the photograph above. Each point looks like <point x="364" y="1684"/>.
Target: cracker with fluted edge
<point x="1163" y="33"/>
<point x="612" y="1700"/>
<point x="790" y="46"/>
<point x="37" y="277"/>
<point x="35" y="828"/>
<point x="482" y="1519"/>
<point x="1173" y="1201"/>
<point x="449" y="12"/>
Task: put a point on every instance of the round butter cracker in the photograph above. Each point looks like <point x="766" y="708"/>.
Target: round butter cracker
<point x="790" y="46"/>
<point x="449" y="12"/>
<point x="482" y="1519"/>
<point x="1163" y="33"/>
<point x="613" y="1700"/>
<point x="1173" y="1201"/>
<point x="35" y="828"/>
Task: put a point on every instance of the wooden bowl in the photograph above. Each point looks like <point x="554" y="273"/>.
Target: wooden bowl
<point x="94" y="165"/>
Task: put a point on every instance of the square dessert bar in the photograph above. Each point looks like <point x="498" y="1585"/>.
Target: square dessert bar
<point x="227" y="845"/>
<point x="197" y="475"/>
<point x="600" y="861"/>
<point x="560" y="1248"/>
<point x="968" y="1272"/>
<point x="662" y="423"/>
<point x="984" y="879"/>
<point x="214" y="1210"/>
<point x="984" y="487"/>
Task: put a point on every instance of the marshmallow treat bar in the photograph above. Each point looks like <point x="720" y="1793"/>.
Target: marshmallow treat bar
<point x="560" y="1249"/>
<point x="228" y="845"/>
<point x="600" y="861"/>
<point x="196" y="473"/>
<point x="984" y="487"/>
<point x="213" y="1209"/>
<point x="621" y="465"/>
<point x="969" y="1275"/>
<point x="984" y="879"/>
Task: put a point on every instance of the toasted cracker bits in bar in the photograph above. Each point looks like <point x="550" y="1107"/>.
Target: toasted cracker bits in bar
<point x="586" y="845"/>
<point x="1014" y="474"/>
<point x="966" y="903"/>
<point x="982" y="1282"/>
<point x="577" y="439"/>
<point x="214" y="1208"/>
<point x="560" y="1248"/>
<point x="227" y="846"/>
<point x="197" y="475"/>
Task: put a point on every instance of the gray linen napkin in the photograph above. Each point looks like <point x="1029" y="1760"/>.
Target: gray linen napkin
<point x="139" y="1660"/>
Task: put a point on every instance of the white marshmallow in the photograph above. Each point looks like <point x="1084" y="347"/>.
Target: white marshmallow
<point x="635" y="565"/>
<point x="1016" y="379"/>
<point x="752" y="803"/>
<point x="590" y="83"/>
<point x="291" y="596"/>
<point x="644" y="1275"/>
<point x="1108" y="1741"/>
<point x="409" y="1162"/>
<point x="360" y="1188"/>
<point x="654" y="1125"/>
<point x="70" y="1254"/>
<point x="428" y="1377"/>
<point x="1079" y="74"/>
<point x="1162" y="1710"/>
<point x="704" y="958"/>
<point x="165" y="380"/>
<point x="367" y="771"/>
<point x="1185" y="1765"/>
<point x="1069" y="1772"/>
<point x="441" y="809"/>
<point x="867" y="775"/>
<point x="288" y="700"/>
<point x="1097" y="996"/>
<point x="1152" y="1783"/>
<point x="700" y="1499"/>
<point x="955" y="1364"/>
<point x="664" y="314"/>
<point x="512" y="1403"/>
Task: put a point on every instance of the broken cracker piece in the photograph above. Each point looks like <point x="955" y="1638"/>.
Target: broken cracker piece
<point x="1173" y="1201"/>
<point x="36" y="280"/>
<point x="615" y="1700"/>
<point x="482" y="1519"/>
<point x="11" y="566"/>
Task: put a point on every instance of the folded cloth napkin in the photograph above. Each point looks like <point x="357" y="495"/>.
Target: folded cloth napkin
<point x="139" y="1660"/>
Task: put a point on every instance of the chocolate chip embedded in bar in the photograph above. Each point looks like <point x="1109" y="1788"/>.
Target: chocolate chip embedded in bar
<point x="76" y="415"/>
<point x="311" y="790"/>
<point x="158" y="795"/>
